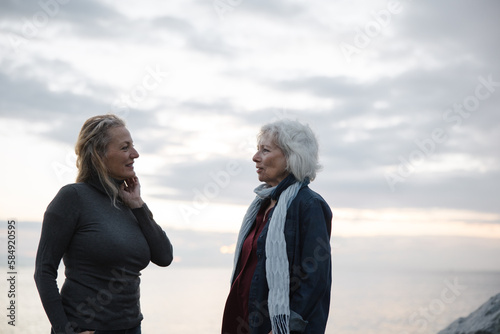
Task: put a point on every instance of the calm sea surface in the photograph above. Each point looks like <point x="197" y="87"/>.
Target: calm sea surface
<point x="191" y="301"/>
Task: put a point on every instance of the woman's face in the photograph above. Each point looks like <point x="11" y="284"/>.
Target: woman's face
<point x="120" y="154"/>
<point x="270" y="162"/>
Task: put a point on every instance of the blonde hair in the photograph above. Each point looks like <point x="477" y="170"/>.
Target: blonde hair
<point x="299" y="145"/>
<point x="91" y="148"/>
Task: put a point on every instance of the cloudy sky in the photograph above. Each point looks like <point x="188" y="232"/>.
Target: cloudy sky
<point x="404" y="98"/>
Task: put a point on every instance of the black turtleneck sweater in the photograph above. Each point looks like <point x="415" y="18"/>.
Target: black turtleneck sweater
<point x="104" y="248"/>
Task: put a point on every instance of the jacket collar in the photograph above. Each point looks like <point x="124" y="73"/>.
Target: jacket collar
<point x="284" y="184"/>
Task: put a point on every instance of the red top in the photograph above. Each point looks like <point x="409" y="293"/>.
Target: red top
<point x="235" y="319"/>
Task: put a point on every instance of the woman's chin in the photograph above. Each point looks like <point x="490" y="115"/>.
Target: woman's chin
<point x="124" y="176"/>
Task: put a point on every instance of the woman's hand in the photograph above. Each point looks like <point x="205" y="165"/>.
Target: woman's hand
<point x="87" y="332"/>
<point x="130" y="193"/>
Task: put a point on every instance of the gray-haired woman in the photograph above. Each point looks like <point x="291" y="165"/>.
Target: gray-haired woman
<point x="282" y="268"/>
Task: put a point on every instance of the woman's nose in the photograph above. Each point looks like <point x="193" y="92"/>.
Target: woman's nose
<point x="256" y="157"/>
<point x="134" y="154"/>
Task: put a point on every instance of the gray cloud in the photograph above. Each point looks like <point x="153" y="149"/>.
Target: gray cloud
<point x="31" y="98"/>
<point x="221" y="180"/>
<point x="369" y="125"/>
<point x="453" y="28"/>
<point x="283" y="9"/>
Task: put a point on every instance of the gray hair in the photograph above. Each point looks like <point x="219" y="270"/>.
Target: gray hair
<point x="299" y="145"/>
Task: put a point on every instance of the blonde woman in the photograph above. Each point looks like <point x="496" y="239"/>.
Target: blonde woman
<point x="104" y="233"/>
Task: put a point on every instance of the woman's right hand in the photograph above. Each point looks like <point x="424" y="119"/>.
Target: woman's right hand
<point x="87" y="332"/>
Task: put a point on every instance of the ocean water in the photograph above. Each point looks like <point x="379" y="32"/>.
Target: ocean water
<point x="191" y="300"/>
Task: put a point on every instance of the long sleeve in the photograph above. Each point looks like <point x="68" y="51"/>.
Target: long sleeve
<point x="58" y="226"/>
<point x="159" y="244"/>
<point x="310" y="283"/>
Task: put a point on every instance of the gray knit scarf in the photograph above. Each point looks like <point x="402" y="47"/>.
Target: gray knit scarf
<point x="277" y="274"/>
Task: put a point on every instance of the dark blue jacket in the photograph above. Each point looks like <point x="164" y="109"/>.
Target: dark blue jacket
<point x="307" y="235"/>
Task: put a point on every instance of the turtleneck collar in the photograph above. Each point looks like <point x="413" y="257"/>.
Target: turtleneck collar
<point x="96" y="183"/>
